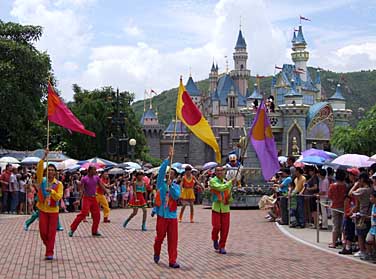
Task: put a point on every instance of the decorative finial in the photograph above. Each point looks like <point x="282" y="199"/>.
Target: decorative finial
<point x="190" y="71"/>
<point x="240" y="24"/>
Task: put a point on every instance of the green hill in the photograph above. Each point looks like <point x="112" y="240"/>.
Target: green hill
<point x="359" y="89"/>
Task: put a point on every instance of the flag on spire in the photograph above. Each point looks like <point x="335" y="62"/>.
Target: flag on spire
<point x="60" y="114"/>
<point x="277" y="67"/>
<point x="304" y="18"/>
<point x="190" y="115"/>
<point x="262" y="139"/>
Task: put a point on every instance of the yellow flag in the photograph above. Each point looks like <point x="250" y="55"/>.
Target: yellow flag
<point x="190" y="115"/>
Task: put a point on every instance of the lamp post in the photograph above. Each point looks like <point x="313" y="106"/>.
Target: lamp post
<point x="132" y="143"/>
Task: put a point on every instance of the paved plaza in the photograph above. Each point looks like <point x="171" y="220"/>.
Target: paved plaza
<point x="256" y="249"/>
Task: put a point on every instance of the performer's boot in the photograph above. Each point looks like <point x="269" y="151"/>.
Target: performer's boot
<point x="143" y="227"/>
<point x="192" y="221"/>
<point x="126" y="223"/>
<point x="180" y="217"/>
<point x="106" y="220"/>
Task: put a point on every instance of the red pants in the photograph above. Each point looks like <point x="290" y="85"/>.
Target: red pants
<point x="221" y="224"/>
<point x="88" y="204"/>
<point x="47" y="230"/>
<point x="170" y="227"/>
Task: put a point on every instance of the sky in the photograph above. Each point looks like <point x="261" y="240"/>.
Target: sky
<point x="142" y="45"/>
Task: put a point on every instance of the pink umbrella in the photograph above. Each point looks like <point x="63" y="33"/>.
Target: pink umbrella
<point x="96" y="165"/>
<point x="353" y="160"/>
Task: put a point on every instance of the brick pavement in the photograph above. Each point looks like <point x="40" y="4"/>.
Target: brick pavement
<point x="256" y="249"/>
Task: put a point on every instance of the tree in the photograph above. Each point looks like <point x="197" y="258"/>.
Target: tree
<point x="361" y="139"/>
<point x="95" y="110"/>
<point x="24" y="72"/>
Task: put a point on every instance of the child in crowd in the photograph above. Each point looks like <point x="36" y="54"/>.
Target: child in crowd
<point x="371" y="236"/>
<point x="348" y="235"/>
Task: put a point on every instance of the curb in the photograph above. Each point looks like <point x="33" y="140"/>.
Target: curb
<point x="290" y="235"/>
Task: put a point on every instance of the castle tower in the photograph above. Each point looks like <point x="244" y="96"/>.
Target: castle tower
<point x="240" y="74"/>
<point x="299" y="55"/>
<point x="152" y="131"/>
<point x="213" y="79"/>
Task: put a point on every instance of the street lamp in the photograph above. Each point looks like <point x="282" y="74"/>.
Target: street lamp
<point x="132" y="143"/>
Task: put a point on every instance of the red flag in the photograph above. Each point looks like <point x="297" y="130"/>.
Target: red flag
<point x="300" y="69"/>
<point x="60" y="114"/>
<point x="304" y="18"/>
<point x="279" y="68"/>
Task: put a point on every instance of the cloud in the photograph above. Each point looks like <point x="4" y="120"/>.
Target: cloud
<point x="132" y="29"/>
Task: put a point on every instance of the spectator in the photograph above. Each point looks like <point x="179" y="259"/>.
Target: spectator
<point x="298" y="191"/>
<point x="323" y="192"/>
<point x="312" y="189"/>
<point x="4" y="179"/>
<point x="337" y="193"/>
<point x="371" y="236"/>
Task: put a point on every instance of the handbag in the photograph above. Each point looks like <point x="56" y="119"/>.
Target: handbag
<point x="360" y="223"/>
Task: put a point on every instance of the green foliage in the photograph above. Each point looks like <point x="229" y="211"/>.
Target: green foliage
<point x="361" y="139"/>
<point x="24" y="72"/>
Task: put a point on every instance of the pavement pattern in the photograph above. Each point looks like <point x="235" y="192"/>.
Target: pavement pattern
<point x="256" y="249"/>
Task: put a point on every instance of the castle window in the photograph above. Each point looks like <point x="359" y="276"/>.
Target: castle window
<point x="232" y="102"/>
<point x="232" y="121"/>
<point x="241" y="67"/>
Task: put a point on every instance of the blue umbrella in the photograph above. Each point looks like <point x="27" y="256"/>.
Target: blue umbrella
<point x="314" y="160"/>
<point x="316" y="153"/>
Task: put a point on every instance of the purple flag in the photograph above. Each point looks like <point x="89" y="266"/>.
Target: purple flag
<point x="263" y="142"/>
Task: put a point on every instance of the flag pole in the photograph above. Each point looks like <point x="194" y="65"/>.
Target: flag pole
<point x="174" y="136"/>
<point x="48" y="133"/>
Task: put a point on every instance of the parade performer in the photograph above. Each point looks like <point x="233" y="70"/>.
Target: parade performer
<point x="138" y="199"/>
<point x="221" y="197"/>
<point x="234" y="169"/>
<point x="34" y="216"/>
<point x="50" y="191"/>
<point x="168" y="192"/>
<point x="88" y="187"/>
<point x="187" y="192"/>
<point x="101" y="198"/>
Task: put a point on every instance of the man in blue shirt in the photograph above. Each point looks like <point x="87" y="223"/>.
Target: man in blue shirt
<point x="168" y="192"/>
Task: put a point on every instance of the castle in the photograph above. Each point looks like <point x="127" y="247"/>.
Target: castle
<point x="301" y="119"/>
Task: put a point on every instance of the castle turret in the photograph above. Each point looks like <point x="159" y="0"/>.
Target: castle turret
<point x="251" y="100"/>
<point x="299" y="55"/>
<point x="241" y="74"/>
<point x="293" y="96"/>
<point x="337" y="100"/>
<point x="193" y="91"/>
<point x="213" y="78"/>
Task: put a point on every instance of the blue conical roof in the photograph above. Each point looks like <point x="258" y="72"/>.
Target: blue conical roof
<point x="148" y="114"/>
<point x="240" y="43"/>
<point x="293" y="38"/>
<point x="192" y="88"/>
<point x="292" y="92"/>
<point x="213" y="67"/>
<point x="255" y="94"/>
<point x="299" y="37"/>
<point x="338" y="94"/>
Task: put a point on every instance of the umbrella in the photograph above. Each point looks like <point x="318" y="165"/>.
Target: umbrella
<point x="152" y="170"/>
<point x="98" y="160"/>
<point x="10" y="160"/>
<point x="30" y="160"/>
<point x="132" y="165"/>
<point x="282" y="159"/>
<point x="299" y="164"/>
<point x="314" y="160"/>
<point x="177" y="165"/>
<point x="96" y="165"/>
<point x="317" y="153"/>
<point x="66" y="164"/>
<point x="331" y="154"/>
<point x="183" y="166"/>
<point x="116" y="171"/>
<point x="353" y="160"/>
<point x="209" y="165"/>
<point x="147" y="166"/>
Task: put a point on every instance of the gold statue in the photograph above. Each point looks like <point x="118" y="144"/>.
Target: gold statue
<point x="295" y="151"/>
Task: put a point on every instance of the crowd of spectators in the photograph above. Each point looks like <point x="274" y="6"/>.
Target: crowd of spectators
<point x="307" y="196"/>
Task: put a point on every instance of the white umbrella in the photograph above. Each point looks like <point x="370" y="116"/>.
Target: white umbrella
<point x="353" y="160"/>
<point x="153" y="170"/>
<point x="66" y="164"/>
<point x="10" y="160"/>
<point x="282" y="159"/>
<point x="116" y="171"/>
<point x="132" y="165"/>
<point x="30" y="160"/>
